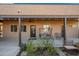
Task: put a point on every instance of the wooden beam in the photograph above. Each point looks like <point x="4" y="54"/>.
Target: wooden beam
<point x="78" y="23"/>
<point x="19" y="33"/>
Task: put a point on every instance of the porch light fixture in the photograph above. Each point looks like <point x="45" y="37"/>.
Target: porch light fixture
<point x="19" y="11"/>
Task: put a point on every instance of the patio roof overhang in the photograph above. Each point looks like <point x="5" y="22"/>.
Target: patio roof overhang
<point x="38" y="16"/>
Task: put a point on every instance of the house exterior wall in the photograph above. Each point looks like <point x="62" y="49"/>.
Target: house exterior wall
<point x="28" y="9"/>
<point x="56" y="26"/>
<point x="39" y="10"/>
<point x="72" y="29"/>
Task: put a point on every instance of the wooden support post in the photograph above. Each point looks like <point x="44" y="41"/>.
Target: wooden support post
<point x="78" y="23"/>
<point x="65" y="27"/>
<point x="78" y="27"/>
<point x="19" y="28"/>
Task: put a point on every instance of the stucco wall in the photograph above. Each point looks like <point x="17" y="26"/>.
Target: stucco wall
<point x="28" y="9"/>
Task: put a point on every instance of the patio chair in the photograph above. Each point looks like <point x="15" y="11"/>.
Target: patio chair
<point x="57" y="35"/>
<point x="69" y="43"/>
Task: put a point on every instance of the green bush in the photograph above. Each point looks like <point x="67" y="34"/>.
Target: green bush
<point x="50" y="50"/>
<point x="30" y="48"/>
<point x="46" y="49"/>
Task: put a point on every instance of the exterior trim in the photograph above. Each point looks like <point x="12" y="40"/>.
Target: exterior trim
<point x="37" y="16"/>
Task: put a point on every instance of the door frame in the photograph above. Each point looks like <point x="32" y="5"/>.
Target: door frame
<point x="34" y="35"/>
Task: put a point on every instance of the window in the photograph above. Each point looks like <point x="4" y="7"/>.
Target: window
<point x="13" y="28"/>
<point x="1" y="29"/>
<point x="45" y="31"/>
<point x="23" y="28"/>
<point x="46" y="28"/>
<point x="78" y="24"/>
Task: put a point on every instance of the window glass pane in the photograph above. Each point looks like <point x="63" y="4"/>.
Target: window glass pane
<point x="78" y="24"/>
<point x="46" y="28"/>
<point x="1" y="29"/>
<point x="11" y="28"/>
<point x="23" y="28"/>
<point x="45" y="31"/>
<point x="15" y="28"/>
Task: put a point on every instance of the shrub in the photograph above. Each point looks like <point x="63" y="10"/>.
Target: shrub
<point x="43" y="48"/>
<point x="30" y="48"/>
<point x="49" y="49"/>
<point x="24" y="47"/>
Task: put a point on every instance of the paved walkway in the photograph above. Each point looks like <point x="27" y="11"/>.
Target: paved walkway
<point x="8" y="47"/>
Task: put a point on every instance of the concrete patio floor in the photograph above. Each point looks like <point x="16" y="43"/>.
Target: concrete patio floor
<point x="9" y="47"/>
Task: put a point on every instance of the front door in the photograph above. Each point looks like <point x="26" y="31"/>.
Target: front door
<point x="33" y="31"/>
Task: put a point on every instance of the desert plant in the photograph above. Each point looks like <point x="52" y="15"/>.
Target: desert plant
<point x="43" y="47"/>
<point x="24" y="47"/>
<point x="49" y="49"/>
<point x="31" y="49"/>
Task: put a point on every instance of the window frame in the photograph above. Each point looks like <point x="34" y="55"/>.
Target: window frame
<point x="13" y="28"/>
<point x="1" y="30"/>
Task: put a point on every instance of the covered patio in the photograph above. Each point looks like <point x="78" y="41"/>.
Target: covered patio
<point x="67" y="28"/>
<point x="12" y="46"/>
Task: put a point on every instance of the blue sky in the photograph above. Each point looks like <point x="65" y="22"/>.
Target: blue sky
<point x="39" y="1"/>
